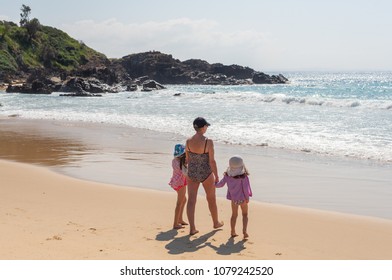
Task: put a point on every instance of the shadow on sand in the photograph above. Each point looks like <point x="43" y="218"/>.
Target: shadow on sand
<point x="229" y="247"/>
<point x="189" y="244"/>
<point x="166" y="235"/>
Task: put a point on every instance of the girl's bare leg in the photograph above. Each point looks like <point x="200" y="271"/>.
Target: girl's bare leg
<point x="191" y="205"/>
<point x="183" y="202"/>
<point x="244" y="210"/>
<point x="179" y="208"/>
<point x="233" y="219"/>
<point x="209" y="188"/>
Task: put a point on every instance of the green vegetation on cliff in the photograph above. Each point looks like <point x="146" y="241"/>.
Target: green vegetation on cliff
<point x="34" y="46"/>
<point x="35" y="53"/>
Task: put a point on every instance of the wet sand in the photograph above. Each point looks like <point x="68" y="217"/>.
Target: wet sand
<point x="120" y="155"/>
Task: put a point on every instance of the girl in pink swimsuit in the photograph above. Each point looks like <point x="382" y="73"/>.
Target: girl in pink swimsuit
<point x="178" y="183"/>
<point x="238" y="191"/>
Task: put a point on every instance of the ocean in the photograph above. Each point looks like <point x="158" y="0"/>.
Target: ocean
<point x="344" y="115"/>
<point x="323" y="141"/>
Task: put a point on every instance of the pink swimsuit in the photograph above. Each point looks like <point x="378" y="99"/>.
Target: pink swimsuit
<point x="178" y="179"/>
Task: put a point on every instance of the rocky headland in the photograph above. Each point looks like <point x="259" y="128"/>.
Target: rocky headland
<point x="49" y="60"/>
<point x="142" y="71"/>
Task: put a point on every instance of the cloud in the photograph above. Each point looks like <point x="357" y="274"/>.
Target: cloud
<point x="3" y="17"/>
<point x="184" y="38"/>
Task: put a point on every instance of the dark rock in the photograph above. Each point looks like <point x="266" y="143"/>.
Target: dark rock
<point x="261" y="78"/>
<point x="107" y="75"/>
<point x="37" y="87"/>
<point x="164" y="69"/>
<point x="41" y="87"/>
<point x="235" y="71"/>
<point x="283" y="79"/>
<point x="152" y="85"/>
<point x="132" y="87"/>
<point x="81" y="94"/>
<point x="15" y="88"/>
<point x="36" y="83"/>
<point x="157" y="66"/>
<point x="198" y="64"/>
<point x="89" y="85"/>
<point x="80" y="85"/>
<point x="139" y="81"/>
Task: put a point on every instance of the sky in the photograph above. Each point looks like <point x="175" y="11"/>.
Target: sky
<point x="266" y="35"/>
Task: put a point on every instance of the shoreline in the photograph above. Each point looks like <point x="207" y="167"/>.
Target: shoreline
<point x="128" y="157"/>
<point x="52" y="209"/>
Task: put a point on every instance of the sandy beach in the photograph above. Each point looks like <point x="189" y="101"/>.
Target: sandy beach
<point x="48" y="215"/>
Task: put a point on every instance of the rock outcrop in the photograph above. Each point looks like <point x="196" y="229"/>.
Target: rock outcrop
<point x="261" y="78"/>
<point x="90" y="85"/>
<point x="147" y="71"/>
<point x="38" y="86"/>
<point x="166" y="70"/>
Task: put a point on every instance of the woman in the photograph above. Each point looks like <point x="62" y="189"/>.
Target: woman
<point x="201" y="169"/>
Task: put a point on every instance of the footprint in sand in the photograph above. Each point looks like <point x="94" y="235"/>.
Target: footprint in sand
<point x="54" y="237"/>
<point x="80" y="227"/>
<point x="73" y="224"/>
<point x="15" y="212"/>
<point x="21" y="210"/>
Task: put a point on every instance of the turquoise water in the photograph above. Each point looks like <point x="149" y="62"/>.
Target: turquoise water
<point x="332" y="114"/>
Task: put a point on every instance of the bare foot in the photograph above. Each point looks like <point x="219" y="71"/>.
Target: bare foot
<point x="246" y="235"/>
<point x="218" y="225"/>
<point x="194" y="232"/>
<point x="233" y="234"/>
<point x="179" y="226"/>
<point x="184" y="223"/>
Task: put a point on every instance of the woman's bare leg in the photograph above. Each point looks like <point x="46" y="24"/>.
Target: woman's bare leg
<point x="191" y="205"/>
<point x="209" y="188"/>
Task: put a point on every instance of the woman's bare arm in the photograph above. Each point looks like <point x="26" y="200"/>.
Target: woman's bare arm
<point x="211" y="154"/>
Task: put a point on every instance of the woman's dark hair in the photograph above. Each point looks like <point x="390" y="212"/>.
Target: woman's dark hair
<point x="197" y="129"/>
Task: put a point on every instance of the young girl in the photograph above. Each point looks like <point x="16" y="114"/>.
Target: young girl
<point x="178" y="183"/>
<point x="238" y="191"/>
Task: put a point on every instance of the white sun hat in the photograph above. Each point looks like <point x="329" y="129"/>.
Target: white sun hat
<point x="236" y="166"/>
